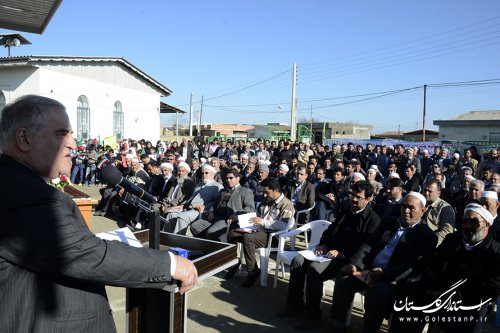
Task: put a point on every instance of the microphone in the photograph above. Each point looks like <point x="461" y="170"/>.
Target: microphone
<point x="114" y="177"/>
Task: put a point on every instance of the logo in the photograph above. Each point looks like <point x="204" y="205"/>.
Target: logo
<point x="446" y="301"/>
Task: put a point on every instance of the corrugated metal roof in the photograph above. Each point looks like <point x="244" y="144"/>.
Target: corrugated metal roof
<point x="478" y="115"/>
<point x="31" y="60"/>
<point x="27" y="15"/>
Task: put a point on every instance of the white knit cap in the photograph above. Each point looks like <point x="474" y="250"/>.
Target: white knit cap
<point x="358" y="175"/>
<point x="167" y="165"/>
<point x="418" y="196"/>
<point x="209" y="168"/>
<point x="284" y="167"/>
<point x="477" y="208"/>
<point x="489" y="194"/>
<point x="394" y="175"/>
<point x="184" y="165"/>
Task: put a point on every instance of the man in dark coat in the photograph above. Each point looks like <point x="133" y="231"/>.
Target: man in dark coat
<point x="53" y="268"/>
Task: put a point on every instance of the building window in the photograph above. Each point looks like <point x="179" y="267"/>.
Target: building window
<point x="2" y="102"/>
<point x="82" y="118"/>
<point x="118" y="120"/>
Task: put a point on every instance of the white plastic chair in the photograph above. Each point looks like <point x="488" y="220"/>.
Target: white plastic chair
<point x="285" y="257"/>
<point x="297" y="214"/>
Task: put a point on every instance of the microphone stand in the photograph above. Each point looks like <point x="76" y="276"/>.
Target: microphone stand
<point x="154" y="218"/>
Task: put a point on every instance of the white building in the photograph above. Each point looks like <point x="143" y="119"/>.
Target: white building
<point x="103" y="96"/>
<point x="471" y="126"/>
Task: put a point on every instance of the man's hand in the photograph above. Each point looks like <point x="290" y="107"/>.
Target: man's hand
<point x="377" y="275"/>
<point x="210" y="216"/>
<point x="233" y="218"/>
<point x="332" y="254"/>
<point x="348" y="270"/>
<point x="186" y="273"/>
<point x="200" y="208"/>
<point x="121" y="192"/>
<point x="320" y="250"/>
<point x="256" y="220"/>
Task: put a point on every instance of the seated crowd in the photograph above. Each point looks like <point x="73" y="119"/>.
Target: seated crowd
<point x="405" y="224"/>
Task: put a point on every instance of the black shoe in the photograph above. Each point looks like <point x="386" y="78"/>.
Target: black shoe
<point x="251" y="278"/>
<point x="289" y="312"/>
<point x="231" y="271"/>
<point x="306" y="323"/>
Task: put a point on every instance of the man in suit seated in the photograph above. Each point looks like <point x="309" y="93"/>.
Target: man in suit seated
<point x="275" y="213"/>
<point x="181" y="189"/>
<point x="54" y="269"/>
<point x="339" y="242"/>
<point x="234" y="200"/>
<point x="379" y="269"/>
<point x="205" y="195"/>
<point x="301" y="193"/>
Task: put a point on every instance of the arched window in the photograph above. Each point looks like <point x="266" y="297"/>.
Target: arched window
<point x="2" y="102"/>
<point x="118" y="120"/>
<point x="83" y="118"/>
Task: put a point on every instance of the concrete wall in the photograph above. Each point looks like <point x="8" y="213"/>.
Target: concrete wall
<point x="469" y="133"/>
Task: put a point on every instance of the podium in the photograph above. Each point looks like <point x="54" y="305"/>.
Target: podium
<point x="83" y="201"/>
<point x="153" y="310"/>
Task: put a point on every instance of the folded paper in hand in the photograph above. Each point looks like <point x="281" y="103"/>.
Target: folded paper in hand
<point x="310" y="255"/>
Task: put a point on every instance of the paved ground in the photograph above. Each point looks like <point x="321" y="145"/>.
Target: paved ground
<point x="219" y="305"/>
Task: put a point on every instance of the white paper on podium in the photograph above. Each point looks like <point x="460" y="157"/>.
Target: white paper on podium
<point x="244" y="220"/>
<point x="123" y="235"/>
<point x="309" y="255"/>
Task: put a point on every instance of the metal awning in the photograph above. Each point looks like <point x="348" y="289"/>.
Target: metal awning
<point x="27" y="15"/>
<point x="165" y="108"/>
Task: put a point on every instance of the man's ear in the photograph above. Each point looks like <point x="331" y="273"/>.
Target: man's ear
<point x="23" y="139"/>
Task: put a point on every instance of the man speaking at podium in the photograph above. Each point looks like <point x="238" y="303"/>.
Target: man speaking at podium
<point x="53" y="269"/>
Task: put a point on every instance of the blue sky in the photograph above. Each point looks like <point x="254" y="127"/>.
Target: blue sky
<point x="239" y="55"/>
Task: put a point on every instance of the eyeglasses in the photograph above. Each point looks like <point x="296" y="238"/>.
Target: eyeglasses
<point x="206" y="173"/>
<point x="230" y="177"/>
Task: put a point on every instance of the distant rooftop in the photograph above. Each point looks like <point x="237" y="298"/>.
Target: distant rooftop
<point x="478" y="115"/>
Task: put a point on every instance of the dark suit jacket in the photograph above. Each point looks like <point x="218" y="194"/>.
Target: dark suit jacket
<point x="187" y="189"/>
<point x="305" y="200"/>
<point x="190" y="153"/>
<point x="52" y="268"/>
<point x="412" y="251"/>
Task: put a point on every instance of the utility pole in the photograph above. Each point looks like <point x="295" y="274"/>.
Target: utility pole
<point x="293" y="120"/>
<point x="423" y="122"/>
<point x="177" y="126"/>
<point x="311" y="125"/>
<point x="191" y="115"/>
<point x="199" y="119"/>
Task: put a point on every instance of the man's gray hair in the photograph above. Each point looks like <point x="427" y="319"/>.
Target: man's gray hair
<point x="27" y="111"/>
<point x="477" y="182"/>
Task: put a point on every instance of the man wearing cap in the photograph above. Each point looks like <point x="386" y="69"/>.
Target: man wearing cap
<point x="205" y="195"/>
<point x="465" y="272"/>
<point x="181" y="189"/>
<point x="383" y="266"/>
<point x="167" y="172"/>
<point x="489" y="200"/>
<point x="233" y="201"/>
